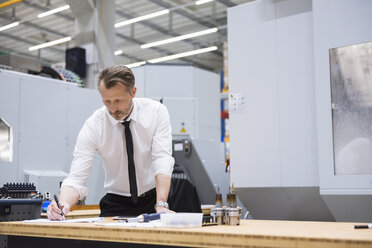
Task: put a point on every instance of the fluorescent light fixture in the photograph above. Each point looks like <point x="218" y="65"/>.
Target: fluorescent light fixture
<point x="178" y="38"/>
<point x="51" y="43"/>
<point x="53" y="11"/>
<point x="181" y="55"/>
<point x="202" y="2"/>
<point x="141" y="18"/>
<point x="136" y="64"/>
<point x="11" y="25"/>
<point x="118" y="52"/>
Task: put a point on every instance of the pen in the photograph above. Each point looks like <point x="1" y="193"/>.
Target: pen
<point x="59" y="206"/>
<point x="363" y="226"/>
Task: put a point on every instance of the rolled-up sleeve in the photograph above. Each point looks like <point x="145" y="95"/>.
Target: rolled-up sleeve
<point x="163" y="161"/>
<point x="84" y="154"/>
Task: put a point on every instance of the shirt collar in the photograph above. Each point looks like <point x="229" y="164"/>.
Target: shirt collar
<point x="132" y="116"/>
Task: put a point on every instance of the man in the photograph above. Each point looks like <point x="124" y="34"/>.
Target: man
<point x="133" y="137"/>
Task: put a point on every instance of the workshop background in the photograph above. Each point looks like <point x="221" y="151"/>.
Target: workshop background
<point x="267" y="98"/>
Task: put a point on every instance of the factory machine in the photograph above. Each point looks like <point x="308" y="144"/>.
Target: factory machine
<point x="301" y="138"/>
<point x="18" y="201"/>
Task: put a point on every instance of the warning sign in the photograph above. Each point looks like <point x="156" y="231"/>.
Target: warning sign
<point x="183" y="130"/>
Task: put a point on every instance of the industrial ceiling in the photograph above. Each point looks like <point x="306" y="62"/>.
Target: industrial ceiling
<point x="184" y="17"/>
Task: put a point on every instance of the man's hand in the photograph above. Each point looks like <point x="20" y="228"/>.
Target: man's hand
<point x="54" y="213"/>
<point x="68" y="197"/>
<point x="163" y="210"/>
<point x="163" y="183"/>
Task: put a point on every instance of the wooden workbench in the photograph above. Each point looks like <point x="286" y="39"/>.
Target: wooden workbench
<point x="251" y="233"/>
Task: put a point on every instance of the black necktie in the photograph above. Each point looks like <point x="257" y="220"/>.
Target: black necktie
<point x="131" y="168"/>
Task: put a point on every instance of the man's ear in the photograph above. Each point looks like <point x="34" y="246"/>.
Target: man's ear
<point x="134" y="92"/>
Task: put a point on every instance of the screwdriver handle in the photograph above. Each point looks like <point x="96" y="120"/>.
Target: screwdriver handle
<point x="150" y="217"/>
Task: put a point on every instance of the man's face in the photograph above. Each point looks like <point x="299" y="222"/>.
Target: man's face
<point x="117" y="99"/>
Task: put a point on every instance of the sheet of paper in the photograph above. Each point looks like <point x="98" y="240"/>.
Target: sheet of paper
<point x="150" y="224"/>
<point x="79" y="220"/>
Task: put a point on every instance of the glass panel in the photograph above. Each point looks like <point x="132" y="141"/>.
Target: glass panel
<point x="6" y="141"/>
<point x="351" y="91"/>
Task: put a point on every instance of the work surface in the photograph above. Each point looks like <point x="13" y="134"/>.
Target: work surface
<point x="255" y="233"/>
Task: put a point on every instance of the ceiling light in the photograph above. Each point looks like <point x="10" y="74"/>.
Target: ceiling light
<point x="141" y="18"/>
<point x="53" y="11"/>
<point x="118" y="52"/>
<point x="11" y="25"/>
<point x="51" y="43"/>
<point x="136" y="64"/>
<point x="178" y="38"/>
<point x="181" y="55"/>
<point x="202" y="2"/>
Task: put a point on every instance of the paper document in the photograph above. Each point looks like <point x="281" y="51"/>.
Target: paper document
<point x="79" y="220"/>
<point x="132" y="224"/>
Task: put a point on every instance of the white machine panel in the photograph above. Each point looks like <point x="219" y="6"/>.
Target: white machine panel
<point x="182" y="112"/>
<point x="39" y="154"/>
<point x="43" y="108"/>
<point x="181" y="108"/>
<point x="296" y="98"/>
<point x="335" y="25"/>
<point x="273" y="141"/>
<point x="81" y="104"/>
<point x="174" y="81"/>
<point x="45" y="180"/>
<point x="139" y="73"/>
<point x="254" y="136"/>
<point x="207" y="95"/>
<point x="9" y="97"/>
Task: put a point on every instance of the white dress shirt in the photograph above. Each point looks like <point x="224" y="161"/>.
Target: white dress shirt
<point x="152" y="144"/>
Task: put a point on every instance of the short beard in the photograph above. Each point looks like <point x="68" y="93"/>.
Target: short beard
<point x="119" y="115"/>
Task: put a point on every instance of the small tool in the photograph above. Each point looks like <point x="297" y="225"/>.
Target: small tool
<point x="59" y="206"/>
<point x="144" y="218"/>
<point x="368" y="226"/>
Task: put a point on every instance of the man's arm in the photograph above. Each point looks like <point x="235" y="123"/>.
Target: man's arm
<point x="162" y="157"/>
<point x="73" y="186"/>
<point x="68" y="197"/>
<point x="162" y="190"/>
